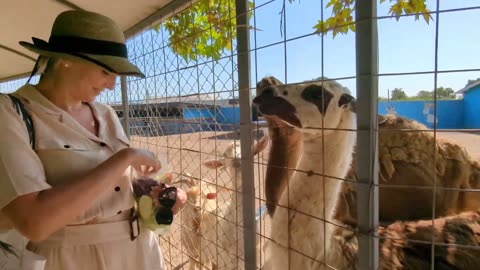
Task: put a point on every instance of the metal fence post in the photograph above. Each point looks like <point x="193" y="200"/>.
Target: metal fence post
<point x="126" y="114"/>
<point x="367" y="148"/>
<point x="248" y="183"/>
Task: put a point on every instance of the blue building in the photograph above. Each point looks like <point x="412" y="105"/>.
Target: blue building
<point x="471" y="100"/>
<point x="186" y="114"/>
<point x="205" y="112"/>
<point x="449" y="114"/>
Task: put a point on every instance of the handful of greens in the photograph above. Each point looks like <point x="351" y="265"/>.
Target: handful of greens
<point x="146" y="192"/>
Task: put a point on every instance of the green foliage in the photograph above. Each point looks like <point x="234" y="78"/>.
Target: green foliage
<point x="341" y="21"/>
<point x="206" y="29"/>
<point x="442" y="94"/>
<point x="209" y="27"/>
<point x="398" y="94"/>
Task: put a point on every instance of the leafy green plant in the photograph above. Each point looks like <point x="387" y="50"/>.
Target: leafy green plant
<point x="342" y="20"/>
<point x="209" y="27"/>
<point x="206" y="29"/>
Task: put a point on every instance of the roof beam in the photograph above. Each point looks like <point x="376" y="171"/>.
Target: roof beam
<point x="14" y="77"/>
<point x="68" y="4"/>
<point x="174" y="7"/>
<point x="17" y="52"/>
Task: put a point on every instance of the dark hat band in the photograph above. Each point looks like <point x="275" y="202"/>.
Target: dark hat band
<point x="71" y="44"/>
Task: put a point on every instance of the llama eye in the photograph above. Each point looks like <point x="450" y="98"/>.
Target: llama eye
<point x="318" y="96"/>
<point x="285" y="93"/>
<point x="313" y="92"/>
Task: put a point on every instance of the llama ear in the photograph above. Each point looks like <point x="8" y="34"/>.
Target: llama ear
<point x="192" y="181"/>
<point x="213" y="164"/>
<point x="260" y="145"/>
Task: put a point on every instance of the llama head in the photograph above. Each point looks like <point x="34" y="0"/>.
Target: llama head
<point x="308" y="106"/>
<point x="188" y="183"/>
<point x="231" y="157"/>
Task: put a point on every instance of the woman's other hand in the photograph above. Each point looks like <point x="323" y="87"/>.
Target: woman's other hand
<point x="181" y="201"/>
<point x="143" y="161"/>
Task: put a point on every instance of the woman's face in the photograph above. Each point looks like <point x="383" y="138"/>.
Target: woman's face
<point x="88" y="79"/>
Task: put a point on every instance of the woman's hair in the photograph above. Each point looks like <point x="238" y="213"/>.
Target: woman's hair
<point x="51" y="61"/>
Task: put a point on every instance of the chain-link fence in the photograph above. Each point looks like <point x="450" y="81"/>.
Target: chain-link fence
<point x="382" y="182"/>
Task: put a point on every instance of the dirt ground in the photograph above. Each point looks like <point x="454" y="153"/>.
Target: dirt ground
<point x="186" y="152"/>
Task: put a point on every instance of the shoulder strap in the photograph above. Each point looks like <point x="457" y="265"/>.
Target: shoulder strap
<point x="26" y="118"/>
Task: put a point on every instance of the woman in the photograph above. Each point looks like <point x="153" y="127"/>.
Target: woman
<point x="71" y="195"/>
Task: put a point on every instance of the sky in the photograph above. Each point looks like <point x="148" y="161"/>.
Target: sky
<point x="405" y="46"/>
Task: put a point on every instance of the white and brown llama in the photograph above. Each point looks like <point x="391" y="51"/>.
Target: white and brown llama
<point x="405" y="159"/>
<point x="324" y="113"/>
<point x="212" y="224"/>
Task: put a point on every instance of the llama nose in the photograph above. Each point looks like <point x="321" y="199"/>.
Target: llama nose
<point x="268" y="92"/>
<point x="265" y="95"/>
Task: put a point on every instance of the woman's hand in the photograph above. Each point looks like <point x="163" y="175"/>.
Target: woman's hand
<point x="143" y="161"/>
<point x="180" y="202"/>
<point x="38" y="214"/>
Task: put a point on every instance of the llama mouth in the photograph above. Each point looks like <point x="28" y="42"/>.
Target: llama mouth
<point x="277" y="107"/>
<point x="291" y="119"/>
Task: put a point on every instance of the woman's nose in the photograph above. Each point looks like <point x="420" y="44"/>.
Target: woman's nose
<point x="110" y="83"/>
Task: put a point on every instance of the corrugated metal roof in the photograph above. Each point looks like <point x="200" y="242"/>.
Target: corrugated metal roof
<point x="468" y="87"/>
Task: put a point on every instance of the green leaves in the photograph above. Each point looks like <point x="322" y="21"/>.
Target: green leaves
<point x="342" y="20"/>
<point x="442" y="93"/>
<point x="208" y="28"/>
<point x="417" y="7"/>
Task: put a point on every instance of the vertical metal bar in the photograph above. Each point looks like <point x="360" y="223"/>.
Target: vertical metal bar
<point x="435" y="108"/>
<point x="366" y="40"/>
<point x="248" y="185"/>
<point x="126" y="112"/>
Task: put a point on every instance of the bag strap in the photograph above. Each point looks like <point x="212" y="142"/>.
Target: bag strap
<point x="27" y="119"/>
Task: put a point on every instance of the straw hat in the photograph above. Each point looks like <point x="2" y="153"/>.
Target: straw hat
<point x="87" y="36"/>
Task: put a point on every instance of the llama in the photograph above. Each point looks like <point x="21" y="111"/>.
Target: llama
<point x="285" y="153"/>
<point x="211" y="227"/>
<point x="405" y="158"/>
<point x="325" y="115"/>
<point x="407" y="245"/>
<point x="197" y="218"/>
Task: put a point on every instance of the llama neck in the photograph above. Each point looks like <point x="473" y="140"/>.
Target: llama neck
<point x="237" y="183"/>
<point x="331" y="155"/>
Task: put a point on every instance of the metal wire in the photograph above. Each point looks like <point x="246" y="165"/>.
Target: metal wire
<point x="197" y="87"/>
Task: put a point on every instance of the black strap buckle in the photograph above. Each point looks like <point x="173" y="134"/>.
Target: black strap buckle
<point x="131" y="220"/>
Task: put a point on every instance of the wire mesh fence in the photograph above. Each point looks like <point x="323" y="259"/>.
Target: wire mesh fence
<point x="331" y="205"/>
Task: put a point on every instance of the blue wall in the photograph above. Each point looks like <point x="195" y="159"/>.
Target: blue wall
<point x="471" y="110"/>
<point x="226" y="115"/>
<point x="229" y="115"/>
<point x="449" y="112"/>
<point x="194" y="113"/>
